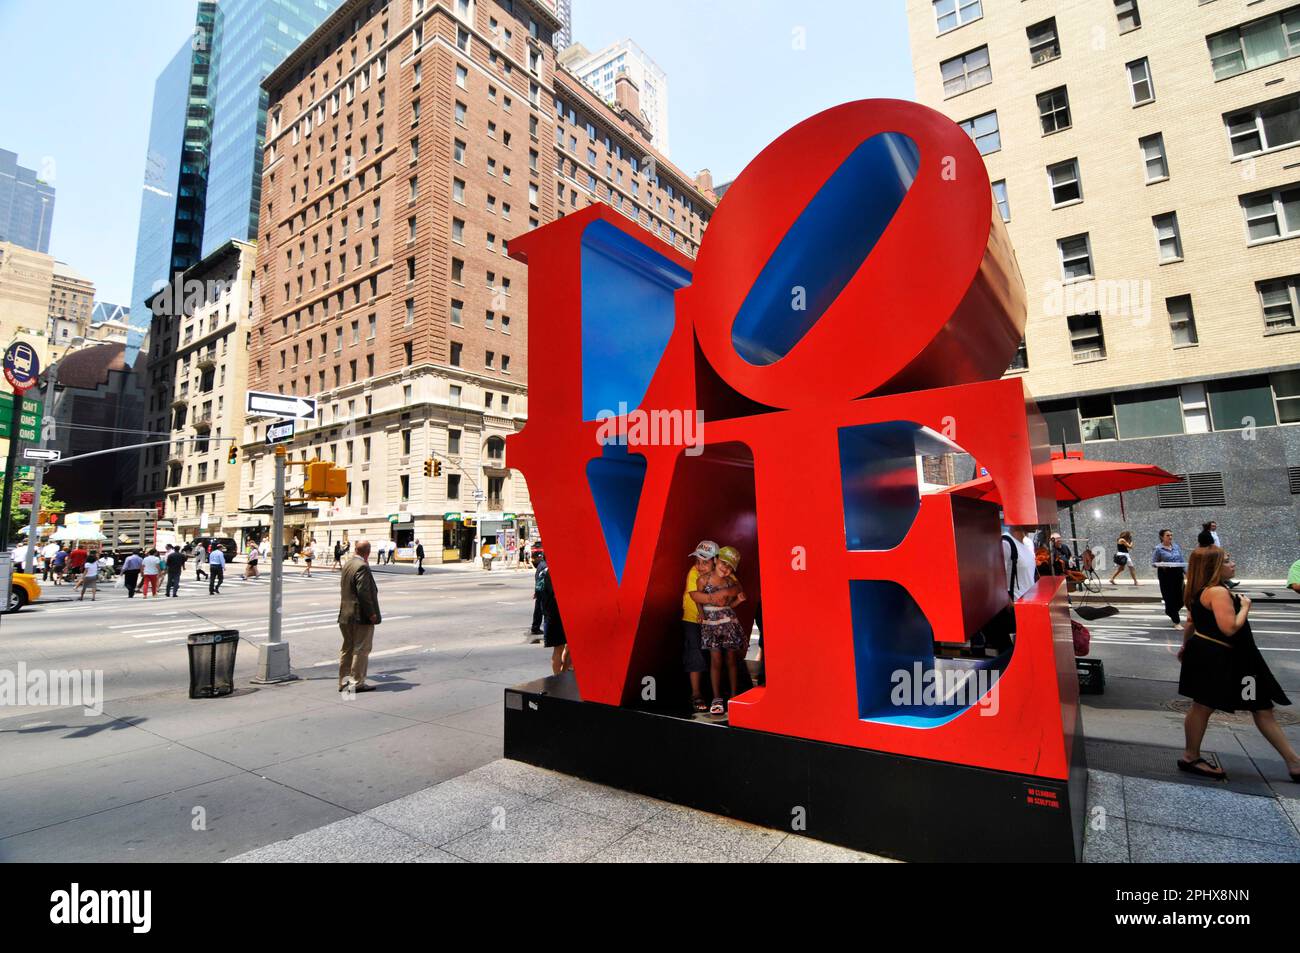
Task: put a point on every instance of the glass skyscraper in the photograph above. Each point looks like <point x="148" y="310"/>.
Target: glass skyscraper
<point x="203" y="171"/>
<point x="175" y="171"/>
<point x="26" y="205"/>
<point x="252" y="38"/>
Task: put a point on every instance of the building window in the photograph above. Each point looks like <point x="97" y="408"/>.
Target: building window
<point x="960" y="74"/>
<point x="950" y="14"/>
<point x="1148" y="413"/>
<point x="1168" y="239"/>
<point x="1241" y="402"/>
<point x="1286" y="390"/>
<point x="1153" y="155"/>
<point x="1020" y="362"/>
<point x="453" y="486"/>
<point x="457" y="271"/>
<point x="1063" y="180"/>
<point x="458" y="151"/>
<point x="1076" y="257"/>
<point x="1054" y="110"/>
<point x="455" y="393"/>
<point x="1097" y="417"/>
<point x="457" y="311"/>
<point x="1044" y="43"/>
<point x="1126" y="11"/>
<point x="1182" y="321"/>
<point x="458" y="231"/>
<point x="984" y="130"/>
<point x="1272" y="215"/>
<point x="1280" y="299"/>
<point x="1087" y="342"/>
<point x="458" y="191"/>
<point x="453" y="442"/>
<point x="455" y="353"/>
<point x="462" y="75"/>
<point x="1196" y="409"/>
<point x="1259" y="43"/>
<point x="1261" y="128"/>
<point x="410" y="311"/>
<point x="1140" y="83"/>
<point x="1000" y="195"/>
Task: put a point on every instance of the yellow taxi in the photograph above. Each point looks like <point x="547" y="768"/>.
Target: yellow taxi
<point x="23" y="591"/>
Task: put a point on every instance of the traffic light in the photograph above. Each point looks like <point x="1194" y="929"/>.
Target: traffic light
<point x="234" y="455"/>
<point x="325" y="480"/>
<point x="428" y="468"/>
<point x="437" y="468"/>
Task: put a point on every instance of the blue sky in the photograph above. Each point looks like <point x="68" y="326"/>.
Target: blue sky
<point x="78" y="78"/>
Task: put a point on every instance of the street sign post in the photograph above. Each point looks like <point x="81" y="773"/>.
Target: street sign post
<point x="273" y="654"/>
<point x="22" y="369"/>
<point x="29" y="417"/>
<point x="280" y="433"/>
<point x="22" y="366"/>
<point x="280" y="405"/>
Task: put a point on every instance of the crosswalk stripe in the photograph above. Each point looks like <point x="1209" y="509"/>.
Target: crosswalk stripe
<point x="381" y="654"/>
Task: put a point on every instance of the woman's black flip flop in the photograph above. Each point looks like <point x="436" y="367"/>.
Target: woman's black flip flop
<point x="1194" y="767"/>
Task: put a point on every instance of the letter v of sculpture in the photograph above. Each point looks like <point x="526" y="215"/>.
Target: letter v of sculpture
<point x="854" y="302"/>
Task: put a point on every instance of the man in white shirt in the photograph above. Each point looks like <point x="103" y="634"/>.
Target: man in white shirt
<point x="216" y="569"/>
<point x="48" y="553"/>
<point x="1020" y="577"/>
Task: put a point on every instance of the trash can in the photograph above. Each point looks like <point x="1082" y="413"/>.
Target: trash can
<point x="212" y="663"/>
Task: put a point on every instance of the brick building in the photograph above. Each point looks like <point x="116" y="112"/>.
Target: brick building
<point x="1144" y="157"/>
<point x="407" y="143"/>
<point x="201" y="322"/>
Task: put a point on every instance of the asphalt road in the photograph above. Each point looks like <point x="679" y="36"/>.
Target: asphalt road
<point x="139" y="644"/>
<point x="1140" y="642"/>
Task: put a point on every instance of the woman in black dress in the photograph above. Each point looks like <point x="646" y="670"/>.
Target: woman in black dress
<point x="1222" y="669"/>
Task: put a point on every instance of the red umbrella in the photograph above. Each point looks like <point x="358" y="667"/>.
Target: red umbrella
<point x="1077" y="479"/>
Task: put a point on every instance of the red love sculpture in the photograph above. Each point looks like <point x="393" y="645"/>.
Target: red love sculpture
<point x="854" y="301"/>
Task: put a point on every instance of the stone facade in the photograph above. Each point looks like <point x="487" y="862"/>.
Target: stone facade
<point x="201" y="322"/>
<point x="1129" y="142"/>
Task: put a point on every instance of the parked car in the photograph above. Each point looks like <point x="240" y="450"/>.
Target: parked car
<point x="228" y="546"/>
<point x="23" y="591"/>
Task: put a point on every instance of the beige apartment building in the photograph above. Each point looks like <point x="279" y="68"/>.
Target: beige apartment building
<point x="407" y="143"/>
<point x="72" y="301"/>
<point x="197" y="378"/>
<point x="1144" y="156"/>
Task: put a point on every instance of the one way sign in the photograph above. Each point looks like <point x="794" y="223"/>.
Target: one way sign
<point x="279" y="433"/>
<point x="280" y="405"/>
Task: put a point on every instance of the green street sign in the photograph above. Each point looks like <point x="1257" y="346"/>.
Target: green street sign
<point x="29" y="420"/>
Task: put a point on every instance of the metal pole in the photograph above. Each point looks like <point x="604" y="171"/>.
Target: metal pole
<point x="11" y="465"/>
<point x="273" y="654"/>
<point x="277" y="564"/>
<point x="38" y="480"/>
<point x="38" y="468"/>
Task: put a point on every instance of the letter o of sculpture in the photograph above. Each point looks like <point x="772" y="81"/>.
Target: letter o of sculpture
<point x="851" y="259"/>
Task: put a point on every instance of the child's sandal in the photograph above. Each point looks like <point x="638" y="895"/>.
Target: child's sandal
<point x="717" y="708"/>
<point x="700" y="704"/>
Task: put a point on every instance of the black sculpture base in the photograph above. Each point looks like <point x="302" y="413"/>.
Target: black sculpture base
<point x="907" y="808"/>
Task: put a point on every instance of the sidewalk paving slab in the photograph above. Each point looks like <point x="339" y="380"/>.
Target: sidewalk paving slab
<point x="242" y="812"/>
<point x="1152" y="843"/>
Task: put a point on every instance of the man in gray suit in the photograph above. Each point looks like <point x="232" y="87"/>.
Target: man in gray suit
<point x="358" y="616"/>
